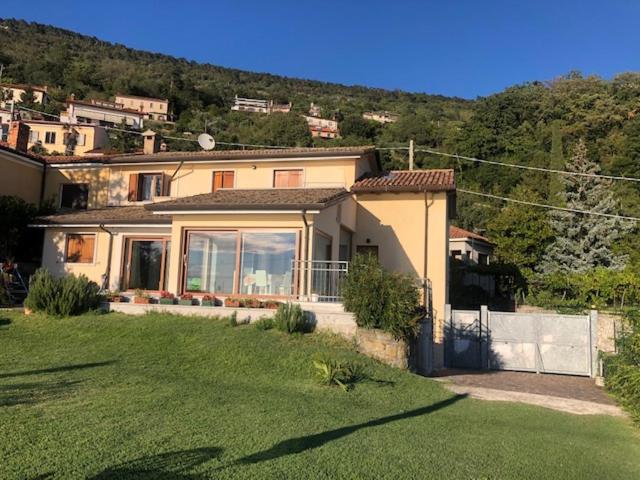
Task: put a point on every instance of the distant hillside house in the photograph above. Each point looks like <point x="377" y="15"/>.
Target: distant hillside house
<point x="5" y="119"/>
<point x="322" y="127"/>
<point x="381" y="117"/>
<point x="102" y="113"/>
<point x="469" y="246"/>
<point x="14" y="91"/>
<point x="314" y="110"/>
<point x="155" y="108"/>
<point x="255" y="105"/>
<point x="66" y="139"/>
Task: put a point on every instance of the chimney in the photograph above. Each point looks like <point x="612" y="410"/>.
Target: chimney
<point x="18" y="136"/>
<point x="151" y="142"/>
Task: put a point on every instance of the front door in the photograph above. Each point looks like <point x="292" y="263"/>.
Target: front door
<point x="146" y="262"/>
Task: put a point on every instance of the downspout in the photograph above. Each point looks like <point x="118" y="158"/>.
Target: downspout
<point x="42" y="183"/>
<point x="306" y="253"/>
<point x="107" y="273"/>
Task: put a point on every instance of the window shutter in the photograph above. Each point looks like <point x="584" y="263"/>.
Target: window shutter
<point x="133" y="187"/>
<point x="166" y="185"/>
<point x="217" y="180"/>
<point x="228" y="178"/>
<point x="295" y="178"/>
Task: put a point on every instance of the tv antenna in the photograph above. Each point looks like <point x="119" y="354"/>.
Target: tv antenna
<point x="206" y="141"/>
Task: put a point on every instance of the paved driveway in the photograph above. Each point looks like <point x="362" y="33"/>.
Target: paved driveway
<point x="571" y="394"/>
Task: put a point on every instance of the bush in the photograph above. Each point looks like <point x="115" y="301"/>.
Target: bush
<point x="265" y="324"/>
<point x="623" y="370"/>
<point x="289" y="318"/>
<point x="65" y="296"/>
<point x="337" y="373"/>
<point x="388" y="301"/>
<point x="4" y="294"/>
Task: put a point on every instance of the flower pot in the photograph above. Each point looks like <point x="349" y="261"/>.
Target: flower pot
<point x="231" y="302"/>
<point x="207" y="303"/>
<point x="167" y="301"/>
<point x="142" y="300"/>
<point x="115" y="299"/>
<point x="272" y="305"/>
<point x="186" y="301"/>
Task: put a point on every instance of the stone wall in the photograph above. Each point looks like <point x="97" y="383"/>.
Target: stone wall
<point x="382" y="346"/>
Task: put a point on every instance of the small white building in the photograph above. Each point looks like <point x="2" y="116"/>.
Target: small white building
<point x="256" y="105"/>
<point x="101" y="112"/>
<point x="469" y="246"/>
<point x="154" y="108"/>
<point x="381" y="117"/>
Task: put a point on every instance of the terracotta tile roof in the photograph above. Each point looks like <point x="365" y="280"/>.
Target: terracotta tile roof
<point x="259" y="199"/>
<point x="408" y="181"/>
<point x="4" y="146"/>
<point x="457" y="232"/>
<point x="107" y="216"/>
<point x="204" y="156"/>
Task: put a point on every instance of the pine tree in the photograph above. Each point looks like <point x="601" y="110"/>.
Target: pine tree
<point x="583" y="241"/>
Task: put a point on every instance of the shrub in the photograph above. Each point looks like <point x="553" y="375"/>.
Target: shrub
<point x="4" y="294"/>
<point x="289" y="318"/>
<point x="388" y="301"/>
<point x="265" y="323"/>
<point x="65" y="296"/>
<point x="233" y="319"/>
<point x="623" y="370"/>
<point x="337" y="373"/>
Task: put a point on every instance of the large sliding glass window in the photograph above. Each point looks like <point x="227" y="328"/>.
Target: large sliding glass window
<point x="146" y="264"/>
<point x="267" y="263"/>
<point x="211" y="262"/>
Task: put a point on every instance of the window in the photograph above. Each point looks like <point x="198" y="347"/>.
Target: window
<point x="457" y="254"/>
<point x="49" y="137"/>
<point x="211" y="262"/>
<point x="34" y="136"/>
<point x="287" y="178"/>
<point x="266" y="265"/>
<point x="146" y="263"/>
<point x="322" y="247"/>
<point x="232" y="262"/>
<point x="346" y="239"/>
<point x="223" y="179"/>
<point x="74" y="196"/>
<point x="79" y="248"/>
<point x="146" y="186"/>
<point x="483" y="259"/>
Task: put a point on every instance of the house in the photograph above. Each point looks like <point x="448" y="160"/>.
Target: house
<point x="12" y="92"/>
<point x="155" y="108"/>
<point x="277" y="223"/>
<point x="254" y="105"/>
<point x="21" y="173"/>
<point x="66" y="139"/>
<point x="314" y="110"/>
<point x="469" y="246"/>
<point x="322" y="127"/>
<point x="381" y="117"/>
<point x="101" y="112"/>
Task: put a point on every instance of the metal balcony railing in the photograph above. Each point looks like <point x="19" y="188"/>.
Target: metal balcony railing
<point x="322" y="279"/>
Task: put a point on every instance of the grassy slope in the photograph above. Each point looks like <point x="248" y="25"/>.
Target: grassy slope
<point x="171" y="397"/>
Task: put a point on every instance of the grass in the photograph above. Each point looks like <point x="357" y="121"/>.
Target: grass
<point x="160" y="396"/>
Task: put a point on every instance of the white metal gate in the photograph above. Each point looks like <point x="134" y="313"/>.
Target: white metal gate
<point x="534" y="342"/>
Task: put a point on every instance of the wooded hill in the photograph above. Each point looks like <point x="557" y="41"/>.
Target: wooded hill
<point x="537" y="124"/>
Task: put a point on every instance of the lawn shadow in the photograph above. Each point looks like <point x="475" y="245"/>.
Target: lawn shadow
<point x="5" y="322"/>
<point x="165" y="466"/>
<point x="302" y="444"/>
<point x="64" y="368"/>
<point x="30" y="393"/>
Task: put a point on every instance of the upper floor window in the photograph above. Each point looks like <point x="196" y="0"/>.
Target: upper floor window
<point x="223" y="179"/>
<point x="49" y="137"/>
<point x="79" y="248"/>
<point x="74" y="196"/>
<point x="287" y="178"/>
<point x="34" y="136"/>
<point x="146" y="186"/>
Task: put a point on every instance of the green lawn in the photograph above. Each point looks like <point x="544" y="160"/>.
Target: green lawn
<point x="160" y="396"/>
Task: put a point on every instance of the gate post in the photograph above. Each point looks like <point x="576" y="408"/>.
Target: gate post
<point x="483" y="338"/>
<point x="447" y="335"/>
<point x="593" y="343"/>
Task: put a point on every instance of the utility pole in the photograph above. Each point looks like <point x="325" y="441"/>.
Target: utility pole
<point x="410" y="154"/>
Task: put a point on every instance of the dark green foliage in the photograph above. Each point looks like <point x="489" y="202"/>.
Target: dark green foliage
<point x="623" y="369"/>
<point x="290" y="318"/>
<point x="4" y="295"/>
<point x="379" y="299"/>
<point x="61" y="297"/>
<point x="343" y="374"/>
<point x="15" y="216"/>
<point x="265" y="323"/>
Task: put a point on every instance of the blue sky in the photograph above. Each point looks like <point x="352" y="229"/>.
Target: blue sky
<point x="465" y="48"/>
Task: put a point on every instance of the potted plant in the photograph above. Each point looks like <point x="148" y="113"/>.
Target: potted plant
<point x="250" y="303"/>
<point x="167" y="298"/>
<point x="208" y="300"/>
<point x="271" y="304"/>
<point x="141" y="298"/>
<point x="231" y="302"/>
<point x="186" y="299"/>
<point x="113" y="297"/>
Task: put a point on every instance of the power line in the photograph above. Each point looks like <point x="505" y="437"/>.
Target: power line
<point x="550" y="207"/>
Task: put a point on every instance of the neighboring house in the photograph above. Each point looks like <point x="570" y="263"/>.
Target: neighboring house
<point x="21" y="173"/>
<point x="67" y="139"/>
<point x="272" y="223"/>
<point x="155" y="108"/>
<point x="469" y="246"/>
<point x="5" y="119"/>
<point x="322" y="127"/>
<point x="314" y="110"/>
<point x="13" y="92"/>
<point x="101" y="112"/>
<point x="254" y="105"/>
<point x="381" y="117"/>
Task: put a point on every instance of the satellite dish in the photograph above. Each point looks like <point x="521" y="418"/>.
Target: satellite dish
<point x="206" y="141"/>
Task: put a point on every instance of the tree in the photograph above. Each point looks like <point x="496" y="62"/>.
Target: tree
<point x="521" y="232"/>
<point x="28" y="98"/>
<point x="556" y="162"/>
<point x="584" y="241"/>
